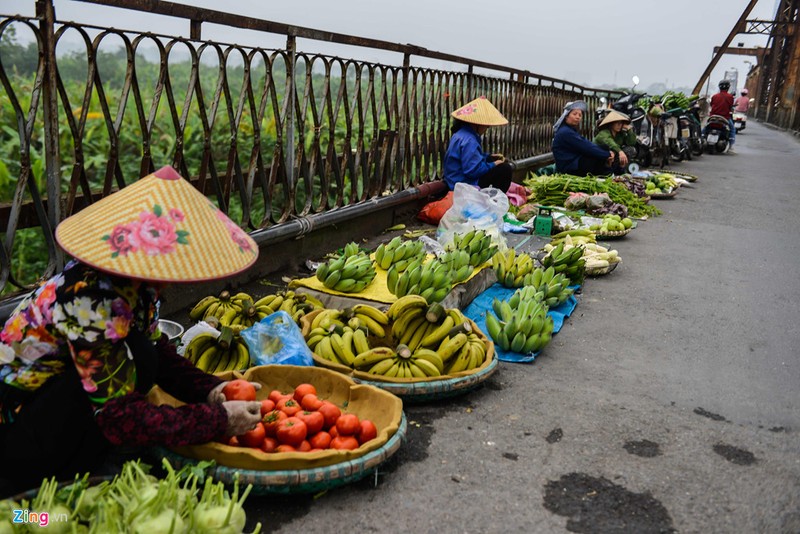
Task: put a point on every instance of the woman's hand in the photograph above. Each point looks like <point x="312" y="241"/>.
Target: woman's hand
<point x="497" y="159"/>
<point x="610" y="160"/>
<point x="623" y="159"/>
<point x="242" y="416"/>
<point x="215" y="396"/>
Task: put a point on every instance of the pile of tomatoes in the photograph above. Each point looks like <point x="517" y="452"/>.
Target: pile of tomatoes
<point x="299" y="422"/>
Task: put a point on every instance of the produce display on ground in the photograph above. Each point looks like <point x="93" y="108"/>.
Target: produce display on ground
<point x="313" y="420"/>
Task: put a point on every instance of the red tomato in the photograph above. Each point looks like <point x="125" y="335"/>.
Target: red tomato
<point x="266" y="407"/>
<point x="292" y="431"/>
<point x="271" y="421"/>
<point x="253" y="438"/>
<point x="239" y="390"/>
<point x="347" y="443"/>
<point x="288" y="406"/>
<point x="367" y="432"/>
<point x="269" y="445"/>
<point x="348" y="424"/>
<point x="285" y="448"/>
<point x="304" y="446"/>
<point x="310" y="402"/>
<point x="320" y="440"/>
<point x="331" y="412"/>
<point x="313" y="420"/>
<point x="302" y="390"/>
<point x="233" y="442"/>
<point x="275" y="395"/>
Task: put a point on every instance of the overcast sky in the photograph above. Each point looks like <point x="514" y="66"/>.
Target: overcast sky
<point x="591" y="42"/>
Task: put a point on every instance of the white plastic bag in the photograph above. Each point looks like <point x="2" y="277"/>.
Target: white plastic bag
<point x="482" y="209"/>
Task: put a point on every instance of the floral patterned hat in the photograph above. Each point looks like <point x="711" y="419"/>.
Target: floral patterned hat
<point x="160" y="229"/>
<point x="480" y="111"/>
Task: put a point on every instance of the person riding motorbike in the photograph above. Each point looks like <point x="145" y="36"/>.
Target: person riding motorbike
<point x="615" y="134"/>
<point x="742" y="103"/>
<point x="722" y="105"/>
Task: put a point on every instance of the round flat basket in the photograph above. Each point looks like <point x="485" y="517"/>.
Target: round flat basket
<point x="416" y="392"/>
<point x="687" y="177"/>
<point x="612" y="235"/>
<point x="602" y="270"/>
<point x="657" y="196"/>
<point x="311" y="480"/>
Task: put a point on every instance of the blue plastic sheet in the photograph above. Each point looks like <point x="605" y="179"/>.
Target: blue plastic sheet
<point x="482" y="305"/>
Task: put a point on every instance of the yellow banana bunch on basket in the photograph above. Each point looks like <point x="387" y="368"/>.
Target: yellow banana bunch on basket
<point x="511" y="268"/>
<point x="215" y="354"/>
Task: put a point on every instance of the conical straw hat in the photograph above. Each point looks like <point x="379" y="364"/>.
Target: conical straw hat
<point x="161" y="229"/>
<point x="480" y="111"/>
<point x="614" y="116"/>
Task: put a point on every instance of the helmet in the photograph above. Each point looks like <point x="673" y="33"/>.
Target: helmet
<point x="725" y="85"/>
<point x="744" y="91"/>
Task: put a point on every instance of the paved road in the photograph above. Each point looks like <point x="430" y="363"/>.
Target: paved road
<point x="669" y="401"/>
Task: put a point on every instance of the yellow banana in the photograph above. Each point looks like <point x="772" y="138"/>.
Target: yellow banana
<point x="393" y="370"/>
<point x="415" y="370"/>
<point x="208" y="359"/>
<point x="461" y="362"/>
<point x="449" y="347"/>
<point x="199" y="309"/>
<point x="325" y="350"/>
<point x="430" y="356"/>
<point x="401" y="323"/>
<point x="381" y="367"/>
<point x="373" y="356"/>
<point x="411" y="330"/>
<point x="360" y="343"/>
<point x="400" y="305"/>
<point x="372" y="325"/>
<point x="371" y="311"/>
<point x="347" y="347"/>
<point x="426" y="367"/>
<point x="435" y="337"/>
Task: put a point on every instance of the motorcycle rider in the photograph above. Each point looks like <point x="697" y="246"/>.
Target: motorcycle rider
<point x="722" y="105"/>
<point x="742" y="102"/>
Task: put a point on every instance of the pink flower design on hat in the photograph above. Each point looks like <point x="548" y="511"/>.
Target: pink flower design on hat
<point x="467" y="110"/>
<point x="154" y="233"/>
<point x="238" y="235"/>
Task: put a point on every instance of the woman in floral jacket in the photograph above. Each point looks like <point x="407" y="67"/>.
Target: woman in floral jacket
<point x="78" y="356"/>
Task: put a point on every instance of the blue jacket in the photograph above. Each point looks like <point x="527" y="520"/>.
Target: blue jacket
<point x="464" y="160"/>
<point x="569" y="146"/>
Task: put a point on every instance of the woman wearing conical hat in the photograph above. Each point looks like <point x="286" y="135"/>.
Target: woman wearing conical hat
<point x="78" y="355"/>
<point x="614" y="133"/>
<point x="574" y="154"/>
<point x="465" y="161"/>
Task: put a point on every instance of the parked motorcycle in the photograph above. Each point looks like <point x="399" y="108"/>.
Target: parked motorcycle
<point x="692" y="129"/>
<point x="717" y="134"/>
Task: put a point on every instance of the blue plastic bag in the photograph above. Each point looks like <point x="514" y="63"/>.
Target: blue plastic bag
<point x="277" y="340"/>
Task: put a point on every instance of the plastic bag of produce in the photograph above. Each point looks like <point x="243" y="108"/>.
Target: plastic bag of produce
<point x="277" y="340"/>
<point x="597" y="201"/>
<point x="576" y="201"/>
<point x="473" y="208"/>
<point x="432" y="212"/>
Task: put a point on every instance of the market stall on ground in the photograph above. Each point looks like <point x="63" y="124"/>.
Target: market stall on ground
<point x="413" y="319"/>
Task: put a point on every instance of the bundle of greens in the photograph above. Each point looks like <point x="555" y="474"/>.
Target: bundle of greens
<point x="554" y="190"/>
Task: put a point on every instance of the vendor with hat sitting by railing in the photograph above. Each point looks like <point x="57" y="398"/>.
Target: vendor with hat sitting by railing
<point x="78" y="355"/>
<point x="465" y="161"/>
<point x="574" y="154"/>
<point x="614" y="133"/>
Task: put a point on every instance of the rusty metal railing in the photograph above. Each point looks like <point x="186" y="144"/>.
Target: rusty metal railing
<point x="271" y="135"/>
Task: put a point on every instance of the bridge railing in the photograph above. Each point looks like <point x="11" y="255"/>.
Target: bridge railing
<point x="270" y="135"/>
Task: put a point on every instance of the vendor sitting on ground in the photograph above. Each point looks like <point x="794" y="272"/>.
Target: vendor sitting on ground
<point x="573" y="153"/>
<point x="615" y="134"/>
<point x="465" y="161"/>
<point x="78" y="355"/>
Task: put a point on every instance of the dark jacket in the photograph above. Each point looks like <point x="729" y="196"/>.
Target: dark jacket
<point x="465" y="161"/>
<point x="569" y="146"/>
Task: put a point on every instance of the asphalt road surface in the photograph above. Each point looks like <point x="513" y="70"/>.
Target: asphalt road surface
<point x="669" y="401"/>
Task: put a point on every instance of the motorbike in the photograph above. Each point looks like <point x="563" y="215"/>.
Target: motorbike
<point x="739" y="120"/>
<point x="692" y="130"/>
<point x="717" y="134"/>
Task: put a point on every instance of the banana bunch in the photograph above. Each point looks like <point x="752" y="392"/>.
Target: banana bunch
<point x="599" y="258"/>
<point x="339" y="344"/>
<point x="477" y="243"/>
<point x="212" y="306"/>
<point x="554" y="288"/>
<point x="567" y="259"/>
<point x="431" y="280"/>
<point x="510" y="268"/>
<point x="421" y="328"/>
<point x="572" y="237"/>
<point x="398" y="253"/>
<point x="457" y="262"/>
<point x="295" y="304"/>
<point x="348" y="274"/>
<point x="215" y="354"/>
<point x="524" y="329"/>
